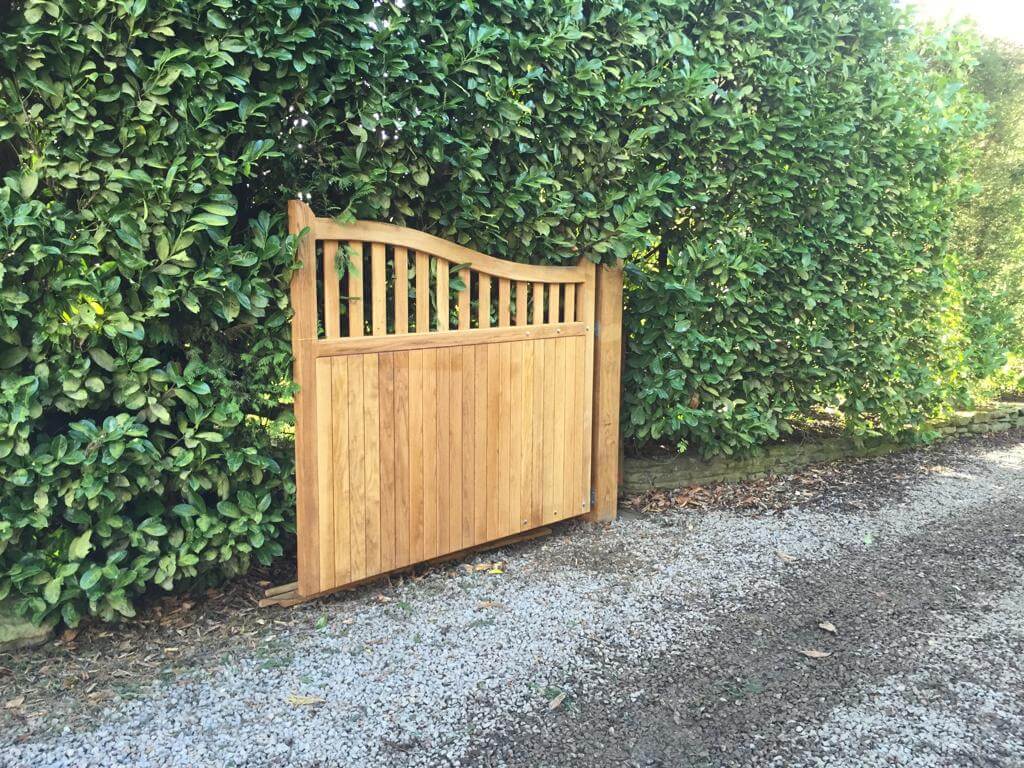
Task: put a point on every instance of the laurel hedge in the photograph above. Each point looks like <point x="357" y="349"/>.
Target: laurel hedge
<point x="776" y="171"/>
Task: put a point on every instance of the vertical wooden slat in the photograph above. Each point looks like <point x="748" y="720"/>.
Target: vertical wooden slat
<point x="520" y="311"/>
<point x="538" y="304"/>
<point x="357" y="465"/>
<point x="304" y="331"/>
<point x="403" y="519"/>
<point x="569" y="308"/>
<point x="607" y="378"/>
<point x="539" y="440"/>
<point x="480" y="443"/>
<point x="354" y="289"/>
<point x="465" y="320"/>
<point x="559" y="395"/>
<point x="587" y="297"/>
<point x="417" y="537"/>
<point x="422" y="293"/>
<point x="442" y="445"/>
<point x="386" y="386"/>
<point x="454" y="483"/>
<point x="493" y="411"/>
<point x="550" y="435"/>
<point x="504" y="407"/>
<point x="379" y="289"/>
<point x="553" y="291"/>
<point x="443" y="294"/>
<point x="340" y="472"/>
<point x="469" y="429"/>
<point x="515" y="468"/>
<point x="401" y="289"/>
<point x="570" y="457"/>
<point x="430" y="478"/>
<point x="504" y="291"/>
<point x="325" y="488"/>
<point x="371" y="463"/>
<point x="332" y="296"/>
<point x="483" y="306"/>
<point x="528" y="417"/>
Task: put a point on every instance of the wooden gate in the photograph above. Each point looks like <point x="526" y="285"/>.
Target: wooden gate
<point x="445" y="397"/>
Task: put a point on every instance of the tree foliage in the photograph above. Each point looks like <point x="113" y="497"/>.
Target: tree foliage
<point x="989" y="232"/>
<point x="778" y="169"/>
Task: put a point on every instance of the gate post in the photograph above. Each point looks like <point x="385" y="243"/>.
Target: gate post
<point x="604" y="473"/>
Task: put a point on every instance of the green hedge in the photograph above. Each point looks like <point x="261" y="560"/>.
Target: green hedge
<point x="779" y="171"/>
<point x="147" y="150"/>
<point x="803" y="264"/>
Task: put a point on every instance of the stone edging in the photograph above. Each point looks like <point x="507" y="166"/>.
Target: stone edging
<point x="642" y="474"/>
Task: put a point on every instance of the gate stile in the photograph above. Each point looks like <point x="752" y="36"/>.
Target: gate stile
<point x="446" y="398"/>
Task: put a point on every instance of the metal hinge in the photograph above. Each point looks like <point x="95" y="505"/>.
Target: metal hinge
<point x="593" y="497"/>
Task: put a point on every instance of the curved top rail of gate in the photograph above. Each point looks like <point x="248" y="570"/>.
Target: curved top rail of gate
<point x="371" y="279"/>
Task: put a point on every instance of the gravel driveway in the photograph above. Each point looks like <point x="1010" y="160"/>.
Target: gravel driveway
<point x="880" y="624"/>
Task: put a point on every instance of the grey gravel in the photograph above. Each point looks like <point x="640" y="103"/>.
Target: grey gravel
<point x="668" y="639"/>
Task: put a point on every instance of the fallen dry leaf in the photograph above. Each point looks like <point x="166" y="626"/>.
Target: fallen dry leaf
<point x="556" y="702"/>
<point x="784" y="557"/>
<point x="812" y="653"/>
<point x="304" y="701"/>
<point x="488" y="604"/>
<point x="14" y="703"/>
<point x="828" y="626"/>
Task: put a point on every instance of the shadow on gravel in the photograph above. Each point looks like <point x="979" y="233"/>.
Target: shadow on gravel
<point x="727" y="699"/>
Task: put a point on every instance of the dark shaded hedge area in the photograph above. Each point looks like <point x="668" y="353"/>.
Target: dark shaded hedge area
<point x="778" y="174"/>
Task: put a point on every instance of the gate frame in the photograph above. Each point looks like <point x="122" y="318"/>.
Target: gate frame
<point x="604" y="389"/>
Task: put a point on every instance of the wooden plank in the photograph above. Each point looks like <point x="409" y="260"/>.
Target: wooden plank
<point x="517" y="449"/>
<point x="371" y="463"/>
<point x="587" y="299"/>
<point x="401" y="290"/>
<point x="483" y="305"/>
<point x="386" y="443"/>
<point x="304" y="330"/>
<point x="569" y="305"/>
<point x="340" y="463"/>
<point x="550" y="436"/>
<point x="559" y="395"/>
<point x="465" y="313"/>
<point x="521" y="299"/>
<point x="422" y="293"/>
<point x="442" y="447"/>
<point x="325" y="489"/>
<point x="430" y="478"/>
<point x="607" y="379"/>
<point x="469" y="431"/>
<point x="438" y="339"/>
<point x="417" y="536"/>
<point x="403" y="520"/>
<point x="332" y="295"/>
<point x="529" y="448"/>
<point x="504" y="405"/>
<point x="571" y="459"/>
<point x="378" y="232"/>
<point x="354" y="290"/>
<point x="357" y="467"/>
<point x="443" y="295"/>
<point x="553" y="308"/>
<point x="480" y="442"/>
<point x="538" y="442"/>
<point x="504" y="296"/>
<point x="538" y="304"/>
<point x="379" y="289"/>
<point x="454" y="483"/>
<point x="493" y="455"/>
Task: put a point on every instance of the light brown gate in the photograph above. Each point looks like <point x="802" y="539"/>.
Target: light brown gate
<point x="445" y="397"/>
